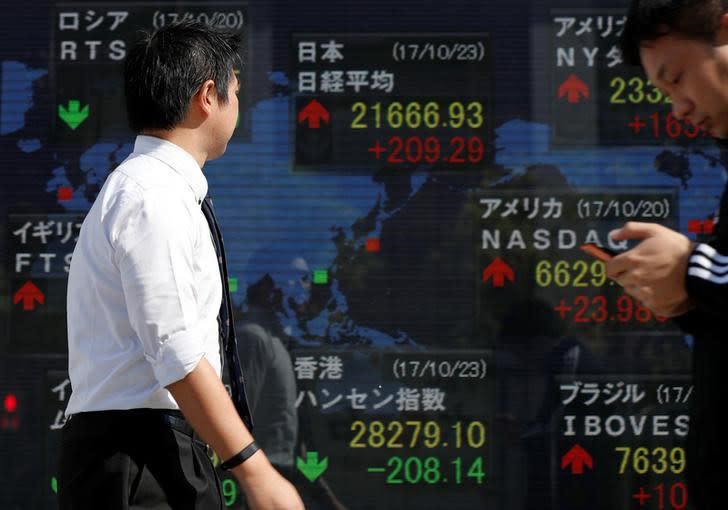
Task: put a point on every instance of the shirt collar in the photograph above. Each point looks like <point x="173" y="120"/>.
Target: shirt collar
<point x="176" y="158"/>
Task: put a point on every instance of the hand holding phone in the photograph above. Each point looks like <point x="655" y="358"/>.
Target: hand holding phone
<point x="603" y="254"/>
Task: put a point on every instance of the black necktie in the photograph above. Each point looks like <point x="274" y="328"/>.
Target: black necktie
<point x="229" y="343"/>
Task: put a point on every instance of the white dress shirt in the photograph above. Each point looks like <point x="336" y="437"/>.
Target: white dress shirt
<point x="144" y="287"/>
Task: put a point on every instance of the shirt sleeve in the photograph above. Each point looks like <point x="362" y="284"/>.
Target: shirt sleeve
<point x="154" y="252"/>
<point x="707" y="279"/>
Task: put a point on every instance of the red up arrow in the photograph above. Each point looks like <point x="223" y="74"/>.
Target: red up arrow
<point x="499" y="271"/>
<point x="572" y="88"/>
<point x="28" y="294"/>
<point x="314" y="112"/>
<point x="578" y="457"/>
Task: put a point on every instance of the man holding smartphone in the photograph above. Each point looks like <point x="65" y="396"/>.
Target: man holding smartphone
<point x="682" y="45"/>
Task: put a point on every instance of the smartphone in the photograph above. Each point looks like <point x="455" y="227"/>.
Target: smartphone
<point x="603" y="254"/>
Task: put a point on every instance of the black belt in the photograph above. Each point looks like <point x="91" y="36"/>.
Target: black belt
<point x="122" y="418"/>
<point x="176" y="421"/>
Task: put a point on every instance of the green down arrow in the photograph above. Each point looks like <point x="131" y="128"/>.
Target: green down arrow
<point x="311" y="467"/>
<point x="74" y="115"/>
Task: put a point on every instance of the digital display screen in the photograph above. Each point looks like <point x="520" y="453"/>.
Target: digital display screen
<point x="367" y="101"/>
<point x="404" y="202"/>
<point x="92" y="40"/>
<point x="599" y="100"/>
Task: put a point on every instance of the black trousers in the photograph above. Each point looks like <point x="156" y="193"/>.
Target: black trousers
<point x="133" y="460"/>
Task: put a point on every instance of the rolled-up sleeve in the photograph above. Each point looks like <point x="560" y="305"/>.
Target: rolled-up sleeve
<point x="155" y="250"/>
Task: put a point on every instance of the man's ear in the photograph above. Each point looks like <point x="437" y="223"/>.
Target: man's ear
<point x="206" y="97"/>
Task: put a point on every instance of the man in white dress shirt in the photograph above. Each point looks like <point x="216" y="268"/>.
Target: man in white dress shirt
<point x="144" y="292"/>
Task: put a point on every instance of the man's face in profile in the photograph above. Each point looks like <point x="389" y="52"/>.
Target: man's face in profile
<point x="694" y="74"/>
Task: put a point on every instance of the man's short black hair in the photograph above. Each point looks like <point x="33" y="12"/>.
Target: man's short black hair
<point x="649" y="19"/>
<point x="165" y="68"/>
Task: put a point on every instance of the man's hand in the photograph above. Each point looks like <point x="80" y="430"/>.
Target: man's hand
<point x="265" y="488"/>
<point x="654" y="270"/>
<point x="207" y="407"/>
